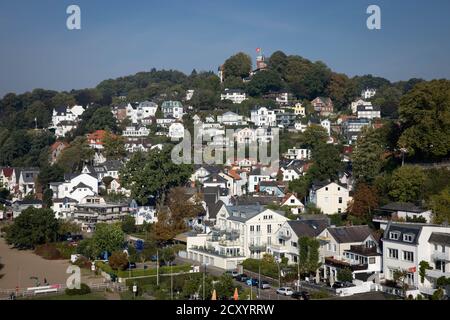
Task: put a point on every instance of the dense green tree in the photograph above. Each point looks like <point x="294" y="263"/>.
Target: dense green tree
<point x="108" y="237"/>
<point x="425" y="117"/>
<point x="368" y="155"/>
<point x="63" y="99"/>
<point x="114" y="147"/>
<point x="406" y="184"/>
<point x="153" y="174"/>
<point x="278" y="62"/>
<point x="440" y="205"/>
<point x="327" y="163"/>
<point x="129" y="225"/>
<point x="102" y="119"/>
<point x="76" y="155"/>
<point x="238" y="65"/>
<point x="33" y="227"/>
<point x="264" y="82"/>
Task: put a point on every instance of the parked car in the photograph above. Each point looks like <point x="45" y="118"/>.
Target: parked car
<point x="285" y="291"/>
<point x="234" y="274"/>
<point x="340" y="284"/>
<point x="252" y="282"/>
<point x="301" y="295"/>
<point x="242" y="278"/>
<point x="264" y="285"/>
<point x="132" y="265"/>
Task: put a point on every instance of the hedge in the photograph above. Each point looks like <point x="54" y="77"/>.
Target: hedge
<point x="267" y="269"/>
<point x="152" y="272"/>
<point x="141" y="272"/>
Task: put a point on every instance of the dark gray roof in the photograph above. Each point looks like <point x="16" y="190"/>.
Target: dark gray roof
<point x="403" y="228"/>
<point x="256" y="200"/>
<point x="440" y="238"/>
<point x="215" y="178"/>
<point x="402" y="206"/>
<point x="28" y="202"/>
<point x="243" y="213"/>
<point x="214" y="208"/>
<point x="81" y="185"/>
<point x="65" y="199"/>
<point x="308" y="228"/>
<point x="350" y="234"/>
<point x="113" y="165"/>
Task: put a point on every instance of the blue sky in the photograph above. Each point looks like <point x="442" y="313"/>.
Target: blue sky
<point x="123" y="37"/>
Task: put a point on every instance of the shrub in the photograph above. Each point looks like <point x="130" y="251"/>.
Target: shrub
<point x="48" y="252"/>
<point x="84" y="289"/>
<point x="118" y="260"/>
<point x="322" y="294"/>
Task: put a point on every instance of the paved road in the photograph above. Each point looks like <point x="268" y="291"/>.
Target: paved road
<point x="267" y="294"/>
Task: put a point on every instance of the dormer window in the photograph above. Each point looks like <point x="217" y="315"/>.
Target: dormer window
<point x="394" y="235"/>
<point x="408" y="237"/>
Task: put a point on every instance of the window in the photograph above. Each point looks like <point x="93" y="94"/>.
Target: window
<point x="269" y="228"/>
<point x="394" y="235"/>
<point x="339" y="188"/>
<point x="339" y="210"/>
<point x="258" y="228"/>
<point x="252" y="228"/>
<point x="408" y="237"/>
<point x="393" y="253"/>
<point x="292" y="200"/>
<point x="408" y="256"/>
<point x="371" y="260"/>
<point x="340" y="200"/>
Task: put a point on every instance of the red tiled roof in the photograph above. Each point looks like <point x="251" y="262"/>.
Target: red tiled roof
<point x="7" y="172"/>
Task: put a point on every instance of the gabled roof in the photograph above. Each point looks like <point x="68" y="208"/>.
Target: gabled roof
<point x="350" y="234"/>
<point x="64" y="200"/>
<point x="243" y="213"/>
<point x="7" y="172"/>
<point x="440" y="238"/>
<point x="81" y="185"/>
<point x="308" y="228"/>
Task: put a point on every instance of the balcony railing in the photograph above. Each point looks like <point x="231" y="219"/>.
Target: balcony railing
<point x="256" y="247"/>
<point x="284" y="235"/>
<point x="439" y="255"/>
<point x="436" y="274"/>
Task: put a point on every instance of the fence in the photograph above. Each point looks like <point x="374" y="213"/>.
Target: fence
<point x="56" y="289"/>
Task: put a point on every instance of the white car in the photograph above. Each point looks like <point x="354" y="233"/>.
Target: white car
<point x="285" y="291"/>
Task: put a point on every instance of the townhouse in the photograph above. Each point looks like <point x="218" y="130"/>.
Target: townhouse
<point x="231" y="119"/>
<point x="263" y="117"/>
<point x="407" y="247"/>
<point x="287" y="237"/>
<point x="329" y="197"/>
<point x="350" y="247"/>
<point x="323" y="105"/>
<point x="173" y="109"/>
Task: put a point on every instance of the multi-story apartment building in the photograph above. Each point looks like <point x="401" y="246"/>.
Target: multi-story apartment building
<point x="237" y="96"/>
<point x="173" y="109"/>
<point x="240" y="232"/>
<point x="263" y="117"/>
<point x="368" y="112"/>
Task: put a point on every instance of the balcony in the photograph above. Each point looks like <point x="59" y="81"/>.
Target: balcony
<point x="439" y="255"/>
<point x="343" y="264"/>
<point x="257" y="247"/>
<point x="278" y="248"/>
<point x="284" y="235"/>
<point x="436" y="274"/>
